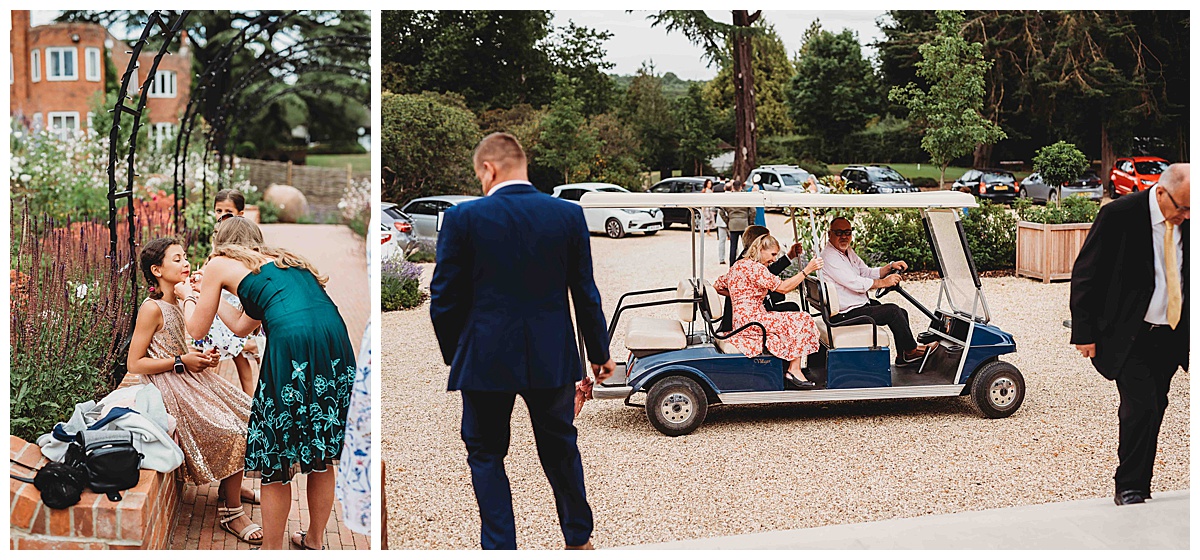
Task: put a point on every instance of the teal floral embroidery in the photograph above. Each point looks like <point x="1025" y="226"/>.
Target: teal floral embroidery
<point x="293" y="428"/>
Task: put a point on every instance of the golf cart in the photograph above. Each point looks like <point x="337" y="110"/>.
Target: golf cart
<point x="677" y="368"/>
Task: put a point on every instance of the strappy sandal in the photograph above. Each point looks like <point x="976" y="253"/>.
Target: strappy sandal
<point x="227" y="515"/>
<point x="298" y="541"/>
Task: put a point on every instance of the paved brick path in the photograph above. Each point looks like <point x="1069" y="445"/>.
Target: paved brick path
<point x="339" y="253"/>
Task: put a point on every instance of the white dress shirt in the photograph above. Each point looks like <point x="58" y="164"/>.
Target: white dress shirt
<point x="505" y="184"/>
<point x="1157" y="312"/>
<point x="851" y="277"/>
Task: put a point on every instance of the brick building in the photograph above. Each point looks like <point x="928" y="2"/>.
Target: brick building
<point x="58" y="74"/>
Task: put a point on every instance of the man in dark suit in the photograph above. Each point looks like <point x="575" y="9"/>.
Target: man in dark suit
<point x="1129" y="314"/>
<point x="505" y="264"/>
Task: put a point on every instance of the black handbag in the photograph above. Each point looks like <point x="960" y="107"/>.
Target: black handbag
<point x="60" y="484"/>
<point x="111" y="461"/>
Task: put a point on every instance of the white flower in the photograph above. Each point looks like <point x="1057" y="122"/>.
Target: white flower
<point x="81" y="291"/>
<point x="25" y="177"/>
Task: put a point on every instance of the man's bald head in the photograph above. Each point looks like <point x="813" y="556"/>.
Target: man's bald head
<point x="499" y="158"/>
<point x="1176" y="182"/>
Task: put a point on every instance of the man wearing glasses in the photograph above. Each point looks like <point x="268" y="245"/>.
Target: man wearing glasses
<point x="852" y="278"/>
<point x="1129" y="314"/>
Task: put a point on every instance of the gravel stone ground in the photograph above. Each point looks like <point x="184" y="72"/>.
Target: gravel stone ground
<point x="768" y="467"/>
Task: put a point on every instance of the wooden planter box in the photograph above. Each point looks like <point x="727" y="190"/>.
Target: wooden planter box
<point x="1048" y="251"/>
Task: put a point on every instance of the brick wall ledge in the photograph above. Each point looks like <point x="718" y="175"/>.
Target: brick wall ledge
<point x="141" y="520"/>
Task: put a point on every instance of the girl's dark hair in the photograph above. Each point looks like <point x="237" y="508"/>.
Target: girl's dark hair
<point x="152" y="255"/>
<point x="234" y="195"/>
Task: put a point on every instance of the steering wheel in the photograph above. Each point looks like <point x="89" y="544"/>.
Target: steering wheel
<point x="885" y="291"/>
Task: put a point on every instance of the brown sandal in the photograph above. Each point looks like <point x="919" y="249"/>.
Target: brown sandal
<point x="298" y="541"/>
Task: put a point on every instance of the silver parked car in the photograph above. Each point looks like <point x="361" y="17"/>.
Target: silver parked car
<point x="1087" y="185"/>
<point x="426" y="214"/>
<point x="614" y="222"/>
<point x="400" y="225"/>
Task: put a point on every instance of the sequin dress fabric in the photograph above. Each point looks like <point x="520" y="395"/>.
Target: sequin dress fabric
<point x="211" y="413"/>
<point x="298" y="418"/>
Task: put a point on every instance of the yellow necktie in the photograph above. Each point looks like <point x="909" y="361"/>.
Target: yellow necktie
<point x="1174" y="294"/>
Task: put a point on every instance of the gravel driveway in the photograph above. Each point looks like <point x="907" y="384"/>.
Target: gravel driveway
<point x="768" y="467"/>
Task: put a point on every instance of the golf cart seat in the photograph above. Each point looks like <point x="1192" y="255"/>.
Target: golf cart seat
<point x="649" y="334"/>
<point x="821" y="295"/>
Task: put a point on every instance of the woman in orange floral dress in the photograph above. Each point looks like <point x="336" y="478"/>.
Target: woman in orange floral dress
<point x="790" y="335"/>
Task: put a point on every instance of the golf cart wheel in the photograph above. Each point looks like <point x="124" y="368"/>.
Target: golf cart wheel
<point x="676" y="406"/>
<point x="997" y="389"/>
<point x="613" y="228"/>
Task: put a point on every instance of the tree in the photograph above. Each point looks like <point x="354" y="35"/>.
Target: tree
<point x="210" y="32"/>
<point x="565" y="143"/>
<point x="711" y="36"/>
<point x="834" y="91"/>
<point x="648" y="113"/>
<point x="1059" y="162"/>
<point x="773" y="72"/>
<point x="616" y="160"/>
<point x="578" y="52"/>
<point x="427" y="140"/>
<point x="697" y="130"/>
<point x="492" y="58"/>
<point x="949" y="111"/>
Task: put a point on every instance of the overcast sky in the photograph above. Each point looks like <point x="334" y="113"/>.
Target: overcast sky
<point x="634" y="41"/>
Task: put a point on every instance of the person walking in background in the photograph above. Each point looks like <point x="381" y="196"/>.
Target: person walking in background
<point x="505" y="266"/>
<point x="1129" y="314"/>
<point x="737" y="219"/>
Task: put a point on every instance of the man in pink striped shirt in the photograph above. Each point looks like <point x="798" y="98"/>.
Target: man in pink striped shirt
<point x="852" y="278"/>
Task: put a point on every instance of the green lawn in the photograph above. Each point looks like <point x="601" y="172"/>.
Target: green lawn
<point x="358" y="162"/>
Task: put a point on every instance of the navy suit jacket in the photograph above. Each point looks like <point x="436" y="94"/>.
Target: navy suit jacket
<point x="505" y="263"/>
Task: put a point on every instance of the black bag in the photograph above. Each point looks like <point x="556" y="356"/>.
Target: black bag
<point x="61" y="484"/>
<point x="111" y="461"/>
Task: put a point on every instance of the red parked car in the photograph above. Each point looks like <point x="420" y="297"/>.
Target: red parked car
<point x="1133" y="174"/>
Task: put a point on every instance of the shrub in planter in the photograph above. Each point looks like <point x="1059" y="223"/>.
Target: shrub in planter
<point x="1059" y="162"/>
<point x="1073" y="210"/>
<point x="400" y="285"/>
<point x="885" y="235"/>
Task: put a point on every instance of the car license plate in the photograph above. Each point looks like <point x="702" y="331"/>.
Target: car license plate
<point x="1084" y="195"/>
<point x="653" y="227"/>
<point x="1000" y="187"/>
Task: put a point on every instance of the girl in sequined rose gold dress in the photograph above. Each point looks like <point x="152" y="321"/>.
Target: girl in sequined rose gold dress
<point x="211" y="413"/>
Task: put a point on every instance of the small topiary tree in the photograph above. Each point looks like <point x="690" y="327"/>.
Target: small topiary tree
<point x="1059" y="162"/>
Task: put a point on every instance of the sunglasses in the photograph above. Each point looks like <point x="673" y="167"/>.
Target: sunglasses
<point x="223" y="217"/>
<point x="1173" y="203"/>
<point x="842" y="232"/>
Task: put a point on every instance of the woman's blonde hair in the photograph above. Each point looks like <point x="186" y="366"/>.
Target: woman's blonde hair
<point x="759" y="245"/>
<point x="239" y="239"/>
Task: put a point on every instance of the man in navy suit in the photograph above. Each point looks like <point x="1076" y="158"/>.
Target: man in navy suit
<point x="1129" y="314"/>
<point x="505" y="264"/>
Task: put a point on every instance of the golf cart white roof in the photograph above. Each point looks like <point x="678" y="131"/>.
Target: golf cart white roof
<point x="932" y="199"/>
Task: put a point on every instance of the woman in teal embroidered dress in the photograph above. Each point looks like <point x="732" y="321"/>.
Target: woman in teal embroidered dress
<point x="298" y="417"/>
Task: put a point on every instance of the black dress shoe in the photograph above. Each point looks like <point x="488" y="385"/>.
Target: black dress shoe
<point x="802" y="385"/>
<point x="1126" y="497"/>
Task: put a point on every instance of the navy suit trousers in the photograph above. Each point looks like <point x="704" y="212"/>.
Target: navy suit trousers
<point x="486" y="418"/>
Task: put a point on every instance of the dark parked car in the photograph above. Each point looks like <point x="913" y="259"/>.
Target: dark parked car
<point x="876" y="179"/>
<point x="991" y="184"/>
<point x="1087" y="185"/>
<point x="679" y="185"/>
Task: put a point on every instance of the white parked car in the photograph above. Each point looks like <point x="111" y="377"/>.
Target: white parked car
<point x="614" y="222"/>
<point x="389" y="243"/>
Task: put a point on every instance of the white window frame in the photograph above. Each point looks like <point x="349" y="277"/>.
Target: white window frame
<point x="35" y="65"/>
<point x="164" y="84"/>
<point x="162" y="131"/>
<point x="63" y="131"/>
<point x="74" y="67"/>
<point x="92" y="71"/>
<point x="90" y="117"/>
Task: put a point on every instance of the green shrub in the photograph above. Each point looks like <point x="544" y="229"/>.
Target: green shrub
<point x="400" y="285"/>
<point x="991" y="232"/>
<point x="1073" y="210"/>
<point x="268" y="213"/>
<point x="925" y="182"/>
<point x="1060" y="162"/>
<point x="885" y="235"/>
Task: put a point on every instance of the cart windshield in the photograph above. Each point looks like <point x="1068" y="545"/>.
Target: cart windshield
<point x="959" y="281"/>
